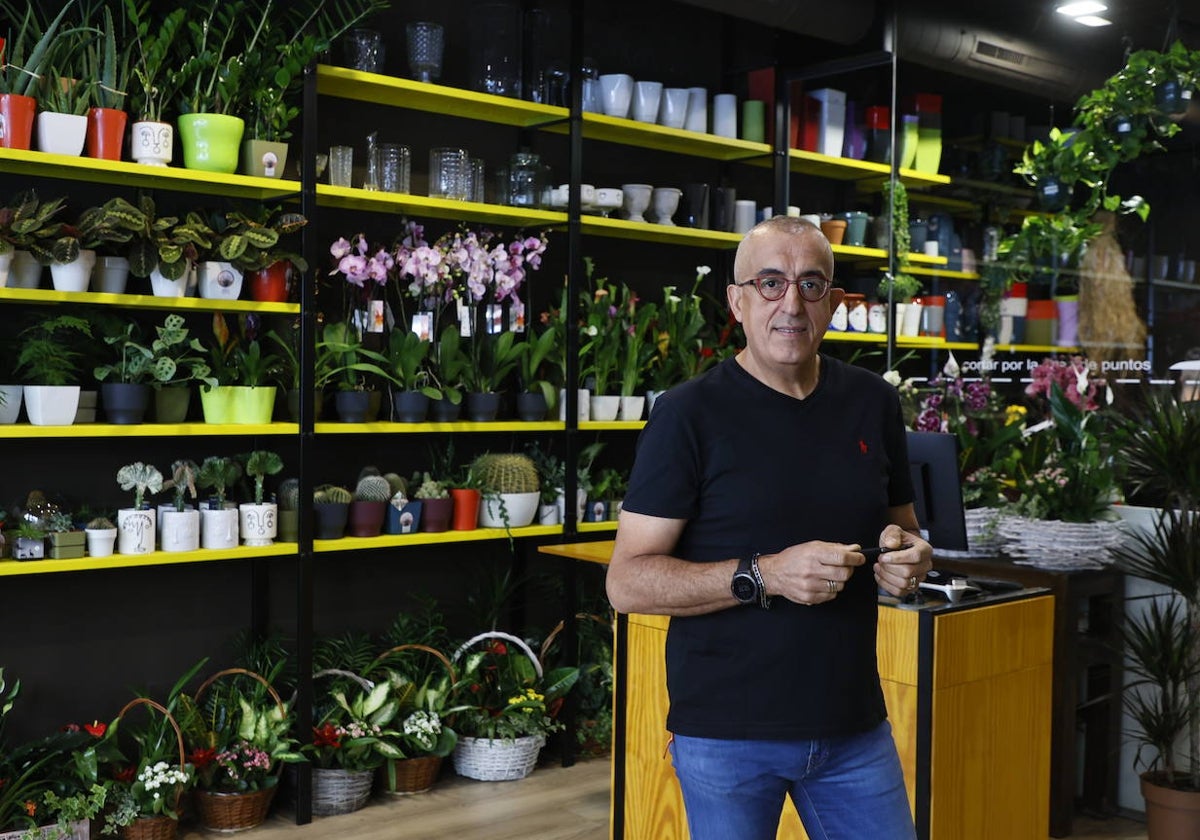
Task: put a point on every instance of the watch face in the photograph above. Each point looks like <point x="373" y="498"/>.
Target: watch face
<point x="744" y="588"/>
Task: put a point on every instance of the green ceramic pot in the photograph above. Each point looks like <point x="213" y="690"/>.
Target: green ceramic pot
<point x="211" y="142"/>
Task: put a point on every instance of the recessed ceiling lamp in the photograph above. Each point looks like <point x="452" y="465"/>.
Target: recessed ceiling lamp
<point x="1085" y="12"/>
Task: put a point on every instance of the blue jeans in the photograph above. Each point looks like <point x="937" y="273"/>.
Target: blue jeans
<point x="848" y="787"/>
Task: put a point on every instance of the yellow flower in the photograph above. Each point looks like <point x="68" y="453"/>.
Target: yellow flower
<point x="1014" y="414"/>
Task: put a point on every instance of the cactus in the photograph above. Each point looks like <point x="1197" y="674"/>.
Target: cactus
<point x="366" y="471"/>
<point x="259" y="464"/>
<point x="140" y="478"/>
<point x="397" y="483"/>
<point x="60" y="522"/>
<point x="331" y="493"/>
<point x="289" y="494"/>
<point x="100" y="523"/>
<point x="431" y="489"/>
<point x="505" y="473"/>
<point x="372" y="488"/>
<point x="218" y="472"/>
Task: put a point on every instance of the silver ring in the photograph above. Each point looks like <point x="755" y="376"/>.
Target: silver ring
<point x="912" y="582"/>
<point x="832" y="585"/>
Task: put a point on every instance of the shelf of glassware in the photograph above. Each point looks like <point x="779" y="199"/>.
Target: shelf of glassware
<point x="354" y="198"/>
<point x="142" y="176"/>
<point x="144" y="430"/>
<point x="433" y="538"/>
<point x="128" y="301"/>
<point x="435" y="428"/>
<point x="157" y="558"/>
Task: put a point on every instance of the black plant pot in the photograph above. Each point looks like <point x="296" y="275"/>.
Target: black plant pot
<point x="330" y="520"/>
<point x="125" y="404"/>
<point x="171" y="403"/>
<point x="352" y="406"/>
<point x="410" y="407"/>
<point x="444" y="411"/>
<point x="482" y="407"/>
<point x="531" y="407"/>
<point x="1169" y="97"/>
<point x="293" y="404"/>
<point x="1052" y="195"/>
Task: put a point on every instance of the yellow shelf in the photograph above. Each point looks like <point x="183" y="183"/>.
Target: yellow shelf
<point x="376" y="89"/>
<point x="193" y="304"/>
<point x="592" y="527"/>
<point x="855" y="337"/>
<point x="126" y="174"/>
<point x="924" y="259"/>
<point x="157" y="558"/>
<point x="1034" y="348"/>
<point x="665" y="234"/>
<point x="858" y="252"/>
<point x="661" y="138"/>
<point x="943" y="272"/>
<point x="425" y="538"/>
<point x="353" y="198"/>
<point x="429" y="428"/>
<point x="143" y="430"/>
<point x="611" y="425"/>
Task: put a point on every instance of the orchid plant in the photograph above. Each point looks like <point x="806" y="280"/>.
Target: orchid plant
<point x="599" y="344"/>
<point x="684" y="348"/>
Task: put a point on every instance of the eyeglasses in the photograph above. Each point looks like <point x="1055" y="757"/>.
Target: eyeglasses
<point x="773" y="287"/>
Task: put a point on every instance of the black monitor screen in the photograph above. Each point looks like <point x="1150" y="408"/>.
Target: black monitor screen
<point x="933" y="462"/>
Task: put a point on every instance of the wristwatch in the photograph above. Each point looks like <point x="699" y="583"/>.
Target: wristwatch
<point x="746" y="586"/>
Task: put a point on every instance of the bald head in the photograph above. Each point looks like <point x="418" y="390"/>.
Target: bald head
<point x="784" y="226"/>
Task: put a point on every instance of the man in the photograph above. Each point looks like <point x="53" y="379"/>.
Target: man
<point x="754" y="489"/>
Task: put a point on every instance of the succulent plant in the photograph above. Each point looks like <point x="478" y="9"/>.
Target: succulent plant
<point x="331" y="493"/>
<point x="289" y="494"/>
<point x="218" y="472"/>
<point x="100" y="523"/>
<point x="259" y="464"/>
<point x="372" y="488"/>
<point x="61" y="522"/>
<point x="397" y="482"/>
<point x="140" y="478"/>
<point x="431" y="489"/>
<point x="505" y="473"/>
<point x="183" y="481"/>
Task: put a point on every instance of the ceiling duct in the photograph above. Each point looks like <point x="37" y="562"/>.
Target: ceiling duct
<point x="844" y="22"/>
<point x="993" y="57"/>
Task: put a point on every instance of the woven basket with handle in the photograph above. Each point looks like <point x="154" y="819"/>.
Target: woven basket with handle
<point x="235" y="810"/>
<point x="157" y="827"/>
<point x="412" y="775"/>
<point x="334" y="790"/>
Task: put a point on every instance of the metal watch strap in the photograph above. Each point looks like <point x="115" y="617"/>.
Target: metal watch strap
<point x="764" y="600"/>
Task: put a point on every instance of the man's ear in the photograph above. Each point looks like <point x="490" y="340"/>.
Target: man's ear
<point x="733" y="296"/>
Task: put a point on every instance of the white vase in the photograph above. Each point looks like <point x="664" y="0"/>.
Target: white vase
<point x="25" y="271"/>
<point x="73" y="276"/>
<point x="548" y="515"/>
<point x="219" y="528"/>
<point x="180" y="529"/>
<point x="162" y="287"/>
<point x="631" y="408"/>
<point x="6" y="259"/>
<point x="61" y="134"/>
<point x="110" y="275"/>
<point x="135" y="531"/>
<point x="580" y="503"/>
<point x="51" y="405"/>
<point x="150" y="143"/>
<point x="259" y="523"/>
<point x="100" y="541"/>
<point x="218" y="280"/>
<point x="911" y="325"/>
<point x="10" y="403"/>
<point x="520" y="508"/>
<point x="583" y="405"/>
<point x="604" y="409"/>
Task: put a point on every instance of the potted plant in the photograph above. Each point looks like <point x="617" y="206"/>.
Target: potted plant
<point x="599" y="345"/>
<point x="331" y="506"/>
<point x="448" y="367"/>
<point x="251" y="246"/>
<point x="163" y="248"/>
<point x="343" y="361"/>
<point x="73" y="250"/>
<point x="637" y="352"/>
<point x="136" y="524"/>
<point x="436" y="505"/>
<point x="24" y="226"/>
<point x="101" y="537"/>
<point x="63" y="99"/>
<point x="253" y="398"/>
<point x="29" y="541"/>
<point x="258" y="519"/>
<point x="107" y="67"/>
<point x="128" y="396"/>
<point x="49" y="363"/>
<point x="543" y="352"/>
<point x="371" y="496"/>
<point x="494" y="357"/>
<point x="510" y="487"/>
<point x="218" y="518"/>
<point x="288" y="495"/>
<point x="407" y="355"/>
<point x="66" y="542"/>
<point x="24" y="60"/>
<point x="158" y="79"/>
<point x="178" y="521"/>
<point x="175" y="363"/>
<point x="682" y="341"/>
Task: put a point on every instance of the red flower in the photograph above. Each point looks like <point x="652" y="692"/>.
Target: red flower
<point x="497" y="647"/>
<point x="96" y="729"/>
<point x="706" y="353"/>
<point x="202" y="757"/>
<point x="326" y="736"/>
<point x="30" y="807"/>
<point x="125" y="774"/>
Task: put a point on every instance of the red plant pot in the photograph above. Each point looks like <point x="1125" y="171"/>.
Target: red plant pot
<point x="466" y="509"/>
<point x="16" y="120"/>
<point x="105" y="133"/>
<point x="270" y="284"/>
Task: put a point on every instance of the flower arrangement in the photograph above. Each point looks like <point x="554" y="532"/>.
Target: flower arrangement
<point x="355" y="733"/>
<point x="683" y="346"/>
<point x="637" y="347"/>
<point x="599" y="343"/>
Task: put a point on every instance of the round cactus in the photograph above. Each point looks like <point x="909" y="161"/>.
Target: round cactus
<point x="505" y="473"/>
<point x="289" y="494"/>
<point x="372" y="488"/>
<point x="396" y="482"/>
<point x="331" y="493"/>
<point x="431" y="489"/>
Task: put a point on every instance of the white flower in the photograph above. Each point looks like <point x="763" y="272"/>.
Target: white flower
<point x="951" y="369"/>
<point x="592" y="330"/>
<point x="892" y="377"/>
<point x="702" y="270"/>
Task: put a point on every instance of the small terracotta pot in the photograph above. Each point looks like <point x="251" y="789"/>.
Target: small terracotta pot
<point x="17" y="114"/>
<point x="834" y="230"/>
<point x="466" y="509"/>
<point x="270" y="284"/>
<point x="105" y="133"/>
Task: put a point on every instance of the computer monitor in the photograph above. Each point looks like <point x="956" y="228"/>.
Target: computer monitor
<point x="937" y="489"/>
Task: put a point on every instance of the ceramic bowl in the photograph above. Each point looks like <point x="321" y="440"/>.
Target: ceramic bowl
<point x="636" y="198"/>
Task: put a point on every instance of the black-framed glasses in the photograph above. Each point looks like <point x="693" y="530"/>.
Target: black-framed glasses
<point x="772" y="287"/>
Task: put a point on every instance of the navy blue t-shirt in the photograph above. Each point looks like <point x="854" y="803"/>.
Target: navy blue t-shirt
<point x="754" y="470"/>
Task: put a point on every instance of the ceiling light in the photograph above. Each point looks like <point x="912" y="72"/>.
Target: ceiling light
<point x="1093" y="20"/>
<point x="1081" y="7"/>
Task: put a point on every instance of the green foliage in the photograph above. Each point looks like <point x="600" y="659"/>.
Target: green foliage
<point x="141" y="478"/>
<point x="407" y="355"/>
<point x="218" y="472"/>
<point x="259" y="464"/>
<point x="182" y="481"/>
<point x="252" y="243"/>
<point x="48" y="354"/>
<point x="494" y="357"/>
<point x="539" y="363"/>
<point x="28" y="223"/>
<point x="154" y="64"/>
<point x="162" y="242"/>
<point x="430" y="488"/>
<point x="449" y="365"/>
<point x="103" y="63"/>
<point x="342" y="359"/>
<point x="27" y="51"/>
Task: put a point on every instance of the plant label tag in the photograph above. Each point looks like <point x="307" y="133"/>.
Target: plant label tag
<point x="516" y="317"/>
<point x="495" y="318"/>
<point x="375" y="323"/>
<point x="422" y="325"/>
<point x="465" y="319"/>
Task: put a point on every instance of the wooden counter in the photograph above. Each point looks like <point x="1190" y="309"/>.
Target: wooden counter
<point x="968" y="692"/>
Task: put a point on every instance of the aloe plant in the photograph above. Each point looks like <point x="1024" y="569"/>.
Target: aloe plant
<point x="105" y="65"/>
<point x="27" y="51"/>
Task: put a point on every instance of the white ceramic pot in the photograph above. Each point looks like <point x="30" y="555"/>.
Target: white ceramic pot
<point x="548" y="515"/>
<point x="51" y="405"/>
<point x="162" y="287"/>
<point x="665" y="201"/>
<point x="219" y="528"/>
<point x="150" y="143"/>
<point x="180" y="529"/>
<point x="616" y="93"/>
<point x="646" y="99"/>
<point x="259" y="523"/>
<point x="100" y="541"/>
<point x="911" y="325"/>
<point x="672" y="109"/>
<point x="583" y="405"/>
<point x="110" y="275"/>
<point x="61" y="134"/>
<point x="25" y="271"/>
<point x="580" y="504"/>
<point x="521" y="508"/>
<point x="6" y="259"/>
<point x="637" y="199"/>
<point x="604" y="409"/>
<point x="10" y="403"/>
<point x="75" y="275"/>
<point x="135" y="531"/>
<point x="631" y="408"/>
<point x="218" y="280"/>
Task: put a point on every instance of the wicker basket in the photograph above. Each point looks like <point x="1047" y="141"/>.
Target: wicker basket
<point x="337" y="791"/>
<point x="497" y="760"/>
<point x="234" y="810"/>
<point x="159" y="827"/>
